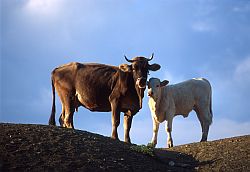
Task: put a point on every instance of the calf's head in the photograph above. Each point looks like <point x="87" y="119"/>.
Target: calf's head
<point x="154" y="87"/>
<point x="140" y="68"/>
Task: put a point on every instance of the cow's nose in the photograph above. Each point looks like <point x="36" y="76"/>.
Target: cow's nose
<point x="141" y="82"/>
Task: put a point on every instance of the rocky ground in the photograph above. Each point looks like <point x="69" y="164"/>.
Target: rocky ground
<point x="48" y="148"/>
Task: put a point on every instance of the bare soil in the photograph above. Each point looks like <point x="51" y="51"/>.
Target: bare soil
<point x="29" y="147"/>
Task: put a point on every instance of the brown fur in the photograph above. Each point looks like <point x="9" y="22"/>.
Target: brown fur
<point x="100" y="87"/>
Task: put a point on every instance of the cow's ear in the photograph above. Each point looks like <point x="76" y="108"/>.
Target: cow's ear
<point x="154" y="67"/>
<point x="164" y="83"/>
<point x="125" y="68"/>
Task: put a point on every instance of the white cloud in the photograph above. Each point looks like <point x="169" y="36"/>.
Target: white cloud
<point x="43" y="7"/>
<point x="205" y="8"/>
<point x="230" y="86"/>
<point x="242" y="70"/>
<point x="173" y="79"/>
<point x="203" y="26"/>
<point x="224" y="128"/>
<point x="43" y="99"/>
<point x="243" y="8"/>
<point x="203" y="13"/>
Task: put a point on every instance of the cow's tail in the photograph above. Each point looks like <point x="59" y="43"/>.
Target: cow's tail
<point x="53" y="110"/>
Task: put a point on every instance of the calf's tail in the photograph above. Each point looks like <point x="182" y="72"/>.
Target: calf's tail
<point x="211" y="112"/>
<point x="53" y="110"/>
<point x="210" y="107"/>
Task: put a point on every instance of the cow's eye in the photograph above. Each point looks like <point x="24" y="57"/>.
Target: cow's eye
<point x="157" y="85"/>
<point x="135" y="67"/>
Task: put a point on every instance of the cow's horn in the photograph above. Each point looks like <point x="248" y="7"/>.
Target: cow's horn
<point x="151" y="57"/>
<point x="131" y="61"/>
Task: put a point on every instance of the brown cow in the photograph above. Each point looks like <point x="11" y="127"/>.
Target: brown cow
<point x="103" y="88"/>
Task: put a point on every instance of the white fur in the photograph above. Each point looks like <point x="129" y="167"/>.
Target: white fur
<point x="165" y="102"/>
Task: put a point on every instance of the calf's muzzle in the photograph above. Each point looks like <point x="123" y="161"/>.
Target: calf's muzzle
<point x="150" y="93"/>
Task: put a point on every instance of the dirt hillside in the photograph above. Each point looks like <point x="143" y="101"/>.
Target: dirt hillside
<point x="48" y="148"/>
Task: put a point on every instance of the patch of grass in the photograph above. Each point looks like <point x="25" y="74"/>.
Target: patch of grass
<point x="143" y="149"/>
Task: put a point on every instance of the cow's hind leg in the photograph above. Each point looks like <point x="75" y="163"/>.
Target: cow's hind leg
<point x="62" y="94"/>
<point x="127" y="125"/>
<point x="69" y="109"/>
<point x="62" y="116"/>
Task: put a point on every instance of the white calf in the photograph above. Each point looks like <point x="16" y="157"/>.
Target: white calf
<point x="165" y="102"/>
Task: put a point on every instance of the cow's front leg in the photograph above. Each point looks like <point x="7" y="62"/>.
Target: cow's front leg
<point x="168" y="127"/>
<point x="115" y="120"/>
<point x="127" y="125"/>
<point x="155" y="133"/>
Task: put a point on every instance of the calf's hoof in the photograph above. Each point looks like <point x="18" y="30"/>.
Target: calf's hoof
<point x="170" y="144"/>
<point x="152" y="145"/>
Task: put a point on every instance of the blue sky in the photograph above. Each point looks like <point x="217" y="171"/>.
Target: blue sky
<point x="190" y="38"/>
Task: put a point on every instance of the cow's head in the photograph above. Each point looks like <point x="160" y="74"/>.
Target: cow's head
<point x="139" y="68"/>
<point x="154" y="87"/>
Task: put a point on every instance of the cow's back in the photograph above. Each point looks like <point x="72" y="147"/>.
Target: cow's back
<point x="94" y="84"/>
<point x="91" y="83"/>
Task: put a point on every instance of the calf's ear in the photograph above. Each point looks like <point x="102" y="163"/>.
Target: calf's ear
<point x="125" y="67"/>
<point x="154" y="67"/>
<point x="164" y="83"/>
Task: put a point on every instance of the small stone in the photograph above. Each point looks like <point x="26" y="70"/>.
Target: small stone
<point x="12" y="142"/>
<point x="171" y="163"/>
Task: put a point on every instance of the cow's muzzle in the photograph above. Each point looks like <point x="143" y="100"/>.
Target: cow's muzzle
<point x="141" y="82"/>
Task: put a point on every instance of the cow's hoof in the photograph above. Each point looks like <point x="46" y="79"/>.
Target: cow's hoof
<point x="127" y="141"/>
<point x="115" y="138"/>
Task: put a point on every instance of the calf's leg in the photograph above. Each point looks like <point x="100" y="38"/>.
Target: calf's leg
<point x="203" y="115"/>
<point x="168" y="128"/>
<point x="155" y="133"/>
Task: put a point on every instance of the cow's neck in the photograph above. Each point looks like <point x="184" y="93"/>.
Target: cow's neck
<point x="139" y="93"/>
